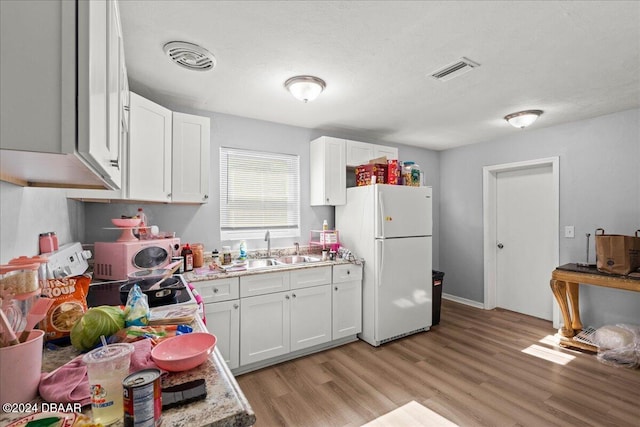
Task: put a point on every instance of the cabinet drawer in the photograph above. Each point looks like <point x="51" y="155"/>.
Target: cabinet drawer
<point x="307" y="277"/>
<point x="347" y="273"/>
<point x="264" y="283"/>
<point x="218" y="290"/>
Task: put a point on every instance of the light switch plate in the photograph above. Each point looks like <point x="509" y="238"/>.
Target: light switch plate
<point x="569" y="231"/>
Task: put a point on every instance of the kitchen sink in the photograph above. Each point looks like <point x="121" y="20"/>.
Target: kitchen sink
<point x="261" y="263"/>
<point x="296" y="259"/>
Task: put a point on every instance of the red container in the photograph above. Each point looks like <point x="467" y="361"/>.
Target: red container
<point x="375" y="173"/>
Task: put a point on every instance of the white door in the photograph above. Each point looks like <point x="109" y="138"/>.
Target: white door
<point x="403" y="211"/>
<point x="310" y="316"/>
<point x="223" y="321"/>
<point x="403" y="286"/>
<point x="525" y="240"/>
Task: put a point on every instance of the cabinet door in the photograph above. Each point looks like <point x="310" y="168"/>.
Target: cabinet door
<point x="98" y="63"/>
<point x="327" y="165"/>
<point x="223" y="321"/>
<point x="191" y="158"/>
<point x="310" y="317"/>
<point x="359" y="153"/>
<point x="219" y="290"/>
<point x="264" y="327"/>
<point x="390" y="152"/>
<point x="347" y="309"/>
<point x="149" y="159"/>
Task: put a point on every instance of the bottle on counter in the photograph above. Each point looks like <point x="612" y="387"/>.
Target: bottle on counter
<point x="142" y="230"/>
<point x="226" y="255"/>
<point x="187" y="254"/>
<point x="243" y="250"/>
<point x="325" y="225"/>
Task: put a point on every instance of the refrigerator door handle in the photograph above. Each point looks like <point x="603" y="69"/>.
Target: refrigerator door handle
<point x="380" y="255"/>
<point x="381" y="217"/>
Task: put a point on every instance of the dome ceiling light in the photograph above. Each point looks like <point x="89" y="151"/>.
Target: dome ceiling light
<point x="305" y="88"/>
<point x="522" y="119"/>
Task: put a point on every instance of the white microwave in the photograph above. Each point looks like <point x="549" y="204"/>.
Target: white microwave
<point x="116" y="260"/>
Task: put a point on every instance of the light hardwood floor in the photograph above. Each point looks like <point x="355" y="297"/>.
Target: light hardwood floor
<point x="476" y="368"/>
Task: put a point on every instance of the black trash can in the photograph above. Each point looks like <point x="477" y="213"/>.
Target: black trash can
<point x="438" y="278"/>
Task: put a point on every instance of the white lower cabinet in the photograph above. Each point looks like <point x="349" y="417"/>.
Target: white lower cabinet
<point x="223" y="321"/>
<point x="264" y="327"/>
<point x="222" y="311"/>
<point x="310" y="317"/>
<point x="263" y="316"/>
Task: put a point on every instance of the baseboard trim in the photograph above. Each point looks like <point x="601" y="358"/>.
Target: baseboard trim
<point x="464" y="301"/>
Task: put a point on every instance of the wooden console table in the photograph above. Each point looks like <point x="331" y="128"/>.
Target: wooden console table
<point x="565" y="281"/>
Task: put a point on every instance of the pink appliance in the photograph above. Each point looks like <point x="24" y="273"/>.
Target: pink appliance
<point x="116" y="260"/>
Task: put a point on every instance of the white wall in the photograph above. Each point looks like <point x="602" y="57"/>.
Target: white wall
<point x="27" y="212"/>
<point x="599" y="187"/>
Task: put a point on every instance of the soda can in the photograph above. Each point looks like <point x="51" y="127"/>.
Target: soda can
<point x="142" y="398"/>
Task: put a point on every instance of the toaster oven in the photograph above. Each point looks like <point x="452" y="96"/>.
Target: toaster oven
<point x="116" y="260"/>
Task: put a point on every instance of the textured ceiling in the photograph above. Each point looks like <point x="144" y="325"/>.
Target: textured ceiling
<point x="572" y="59"/>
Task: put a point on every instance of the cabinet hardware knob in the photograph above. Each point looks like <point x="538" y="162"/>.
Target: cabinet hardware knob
<point x="286" y="297"/>
<point x="294" y="295"/>
<point x="206" y="196"/>
<point x="215" y="290"/>
<point x="168" y="195"/>
<point x="348" y="272"/>
<point x="236" y="306"/>
<point x="327" y="199"/>
<point x="500" y="246"/>
<point x="336" y="288"/>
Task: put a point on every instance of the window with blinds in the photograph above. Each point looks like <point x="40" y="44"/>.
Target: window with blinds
<point x="259" y="191"/>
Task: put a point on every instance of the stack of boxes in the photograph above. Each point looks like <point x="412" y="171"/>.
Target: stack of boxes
<point x="378" y="171"/>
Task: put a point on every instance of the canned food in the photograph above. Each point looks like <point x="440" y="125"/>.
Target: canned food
<point x="142" y="397"/>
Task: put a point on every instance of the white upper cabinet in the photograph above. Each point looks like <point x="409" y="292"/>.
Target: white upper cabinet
<point x="149" y="154"/>
<point x="60" y="124"/>
<point x="359" y="153"/>
<point x="327" y="172"/>
<point x="191" y="158"/>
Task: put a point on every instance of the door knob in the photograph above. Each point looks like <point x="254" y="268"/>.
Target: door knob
<point x="500" y="246"/>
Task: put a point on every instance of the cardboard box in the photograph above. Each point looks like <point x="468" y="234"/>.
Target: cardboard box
<point x="371" y="174"/>
<point x="393" y="174"/>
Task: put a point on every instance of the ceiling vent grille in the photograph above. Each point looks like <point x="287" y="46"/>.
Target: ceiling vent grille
<point x="190" y="56"/>
<point x="456" y="69"/>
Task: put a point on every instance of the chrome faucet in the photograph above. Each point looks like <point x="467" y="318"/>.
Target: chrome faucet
<point x="267" y="238"/>
<point x="297" y="245"/>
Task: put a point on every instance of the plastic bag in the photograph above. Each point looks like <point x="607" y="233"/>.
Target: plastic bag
<point x="154" y="333"/>
<point x="137" y="310"/>
<point x="618" y="345"/>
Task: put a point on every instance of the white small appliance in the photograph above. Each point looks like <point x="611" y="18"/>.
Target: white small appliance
<point x="116" y="260"/>
<point x="390" y="226"/>
<point x="69" y="260"/>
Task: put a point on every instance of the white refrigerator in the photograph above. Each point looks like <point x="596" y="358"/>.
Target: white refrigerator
<point x="390" y="226"/>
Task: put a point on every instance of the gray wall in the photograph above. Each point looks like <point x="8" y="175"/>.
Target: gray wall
<point x="599" y="187"/>
<point x="202" y="223"/>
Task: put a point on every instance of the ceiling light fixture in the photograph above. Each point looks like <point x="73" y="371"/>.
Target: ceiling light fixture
<point x="305" y="88"/>
<point x="522" y="119"/>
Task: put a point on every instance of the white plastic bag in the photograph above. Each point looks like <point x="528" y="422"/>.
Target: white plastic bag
<point x="618" y="345"/>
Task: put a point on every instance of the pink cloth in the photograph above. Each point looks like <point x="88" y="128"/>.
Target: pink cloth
<point x="70" y="384"/>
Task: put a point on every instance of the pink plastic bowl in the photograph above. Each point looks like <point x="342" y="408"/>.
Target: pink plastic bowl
<point x="126" y="222"/>
<point x="183" y="352"/>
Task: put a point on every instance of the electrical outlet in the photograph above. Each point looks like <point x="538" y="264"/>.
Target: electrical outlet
<point x="569" y="232"/>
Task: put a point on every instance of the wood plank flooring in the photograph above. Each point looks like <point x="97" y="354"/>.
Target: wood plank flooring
<point x="476" y="368"/>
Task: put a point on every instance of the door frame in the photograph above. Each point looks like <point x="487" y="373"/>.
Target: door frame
<point x="489" y="207"/>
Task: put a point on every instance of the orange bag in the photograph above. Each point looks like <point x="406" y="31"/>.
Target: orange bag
<point x="70" y="303"/>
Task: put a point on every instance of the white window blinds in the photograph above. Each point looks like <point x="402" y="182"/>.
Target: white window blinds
<point x="259" y="191"/>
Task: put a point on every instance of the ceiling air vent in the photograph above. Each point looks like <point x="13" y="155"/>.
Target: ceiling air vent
<point x="190" y="56"/>
<point x="454" y="70"/>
